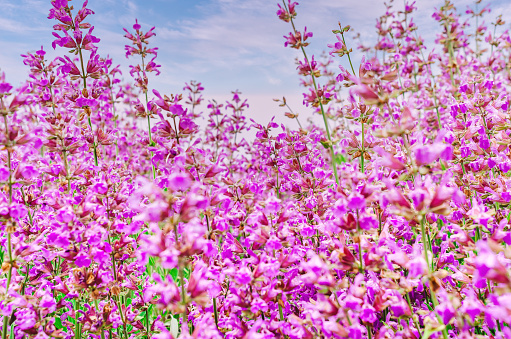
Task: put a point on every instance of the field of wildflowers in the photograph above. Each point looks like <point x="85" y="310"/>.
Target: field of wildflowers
<point x="122" y="217"/>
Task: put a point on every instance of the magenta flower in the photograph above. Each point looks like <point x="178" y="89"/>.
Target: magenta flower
<point x="356" y="202"/>
<point x="287" y="13"/>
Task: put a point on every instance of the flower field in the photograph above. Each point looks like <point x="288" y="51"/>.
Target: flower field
<point x="127" y="212"/>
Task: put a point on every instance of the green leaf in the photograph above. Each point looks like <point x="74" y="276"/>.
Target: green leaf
<point x="428" y="331"/>
<point x="187" y="273"/>
<point x="58" y="324"/>
<point x="174" y="273"/>
<point x="339" y="158"/>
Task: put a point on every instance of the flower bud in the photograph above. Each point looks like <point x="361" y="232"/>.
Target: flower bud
<point x="115" y="290"/>
<point x="6" y="266"/>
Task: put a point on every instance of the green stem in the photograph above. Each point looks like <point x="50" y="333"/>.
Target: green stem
<point x="363" y="149"/>
<point x="149" y="124"/>
<point x="77" y="324"/>
<point x="9" y="245"/>
<point x="477" y="233"/>
<point x="66" y="166"/>
<point x="411" y="309"/>
<point x="84" y="77"/>
<point x="94" y="143"/>
<point x="147" y="322"/>
<point x="117" y="302"/>
<point x="216" y="312"/>
<point x="360" y="254"/>
<point x="434" y="298"/>
<point x="430" y="250"/>
<point x="277" y="188"/>
<point x="113" y="114"/>
<point x="97" y="311"/>
<point x="150" y="138"/>
<point x="116" y="299"/>
<point x="175" y="129"/>
<point x="9" y="276"/>
<point x="348" y="54"/>
<point x="28" y="207"/>
<point x="183" y="299"/>
<point x="149" y="120"/>
<point x="334" y="166"/>
<point x="362" y="117"/>
<point x="183" y="292"/>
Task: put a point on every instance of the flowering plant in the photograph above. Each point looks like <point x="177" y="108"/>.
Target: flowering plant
<point x="390" y="220"/>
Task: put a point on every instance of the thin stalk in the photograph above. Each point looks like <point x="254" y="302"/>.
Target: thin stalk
<point x="434" y="298"/>
<point x="296" y="115"/>
<point x="431" y="250"/>
<point x="148" y="328"/>
<point x="363" y="149"/>
<point x="149" y="120"/>
<point x="334" y="166"/>
<point x="183" y="292"/>
<point x="9" y="163"/>
<point x="25" y="280"/>
<point x="149" y="125"/>
<point x="77" y="324"/>
<point x="9" y="245"/>
<point x="66" y="166"/>
<point x="216" y="312"/>
<point x="411" y="309"/>
<point x="360" y="254"/>
<point x="113" y="113"/>
<point x="116" y="299"/>
<point x="28" y="209"/>
<point x="183" y="298"/>
<point x="277" y="188"/>
<point x="494" y="33"/>
<point x="9" y="276"/>
<point x="150" y="138"/>
<point x="84" y="77"/>
<point x="425" y="241"/>
<point x="348" y="54"/>
<point x="94" y="144"/>
<point x="146" y="101"/>
<point x="477" y="233"/>
<point x="175" y="129"/>
<point x="50" y="86"/>
<point x="97" y="311"/>
<point x="362" y="117"/>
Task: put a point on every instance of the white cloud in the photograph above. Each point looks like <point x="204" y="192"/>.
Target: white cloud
<point x="226" y="44"/>
<point x="11" y="25"/>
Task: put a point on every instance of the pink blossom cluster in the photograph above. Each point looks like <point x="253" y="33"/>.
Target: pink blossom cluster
<point x="390" y="220"/>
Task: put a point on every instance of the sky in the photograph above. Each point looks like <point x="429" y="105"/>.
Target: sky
<point x="225" y="44"/>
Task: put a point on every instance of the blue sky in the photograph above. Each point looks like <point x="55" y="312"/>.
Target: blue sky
<point x="225" y="44"/>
